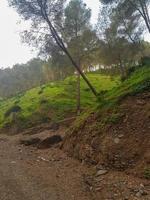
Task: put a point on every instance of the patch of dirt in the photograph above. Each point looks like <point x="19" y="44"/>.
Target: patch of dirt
<point x="123" y="145"/>
<point x="28" y="173"/>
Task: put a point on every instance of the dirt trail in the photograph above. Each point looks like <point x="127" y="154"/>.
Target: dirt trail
<point x="30" y="174"/>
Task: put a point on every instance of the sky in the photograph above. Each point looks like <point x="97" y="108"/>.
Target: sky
<point x="12" y="51"/>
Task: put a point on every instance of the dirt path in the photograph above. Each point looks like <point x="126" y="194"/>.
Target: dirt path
<point x="27" y="173"/>
<point x="30" y="174"/>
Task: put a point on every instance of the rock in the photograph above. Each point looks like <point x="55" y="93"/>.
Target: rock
<point x="43" y="159"/>
<point x="49" y="142"/>
<point x="99" y="167"/>
<point x="144" y="193"/>
<point x="141" y="186"/>
<point x="120" y="136"/>
<point x="141" y="103"/>
<point x="116" y="140"/>
<point x="138" y="194"/>
<point x="13" y="162"/>
<point x="101" y="172"/>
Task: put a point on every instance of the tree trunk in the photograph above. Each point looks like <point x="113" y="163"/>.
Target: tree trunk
<point x="78" y="94"/>
<point x="122" y="69"/>
<point x="145" y="14"/>
<point x="60" y="43"/>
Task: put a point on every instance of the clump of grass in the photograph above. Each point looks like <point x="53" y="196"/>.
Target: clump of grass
<point x="139" y="82"/>
<point x="147" y="173"/>
<point x="109" y="116"/>
<point x="114" y="118"/>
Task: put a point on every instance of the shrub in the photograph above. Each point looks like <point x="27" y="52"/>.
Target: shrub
<point x="145" y="61"/>
<point x="13" y="109"/>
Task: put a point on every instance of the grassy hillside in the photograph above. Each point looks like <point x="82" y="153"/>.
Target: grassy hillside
<point x="116" y="134"/>
<point x="137" y="82"/>
<point x="109" y="101"/>
<point x="52" y="101"/>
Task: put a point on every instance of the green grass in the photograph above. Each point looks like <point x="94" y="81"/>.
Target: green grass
<point x="138" y="82"/>
<point x="53" y="101"/>
<point x="147" y="173"/>
<point x="107" y="107"/>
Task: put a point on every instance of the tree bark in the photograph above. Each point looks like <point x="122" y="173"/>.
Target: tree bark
<point x="122" y="69"/>
<point x="78" y="94"/>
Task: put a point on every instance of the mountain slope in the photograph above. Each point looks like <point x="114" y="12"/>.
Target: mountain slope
<point x="117" y="134"/>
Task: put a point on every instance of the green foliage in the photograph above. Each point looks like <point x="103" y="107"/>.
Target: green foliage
<point x="137" y="83"/>
<point x="114" y="118"/>
<point x="58" y="99"/>
<point x="147" y="173"/>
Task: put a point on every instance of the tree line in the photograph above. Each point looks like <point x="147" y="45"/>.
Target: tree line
<point x="22" y="77"/>
<point x="64" y="35"/>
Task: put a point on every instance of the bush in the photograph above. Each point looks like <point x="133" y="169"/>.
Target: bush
<point x="145" y="61"/>
<point x="13" y="109"/>
<point x="131" y="70"/>
<point x="145" y="86"/>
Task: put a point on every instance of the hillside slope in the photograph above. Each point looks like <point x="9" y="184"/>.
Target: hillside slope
<point x="51" y="102"/>
<point x="117" y="134"/>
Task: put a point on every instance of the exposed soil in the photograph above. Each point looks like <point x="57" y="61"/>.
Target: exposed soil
<point x="29" y="173"/>
<point x="121" y="146"/>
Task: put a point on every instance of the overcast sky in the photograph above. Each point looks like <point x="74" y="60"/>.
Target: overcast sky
<point x="12" y="51"/>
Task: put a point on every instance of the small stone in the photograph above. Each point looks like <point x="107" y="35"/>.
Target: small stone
<point x="91" y="188"/>
<point x="141" y="185"/>
<point x="99" y="167"/>
<point x="116" y="140"/>
<point x="13" y="162"/>
<point x="101" y="172"/>
<point x="98" y="189"/>
<point x="120" y="136"/>
<point x="138" y="194"/>
<point x="143" y="193"/>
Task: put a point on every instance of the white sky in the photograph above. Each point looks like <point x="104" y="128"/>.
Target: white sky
<point x="12" y="51"/>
